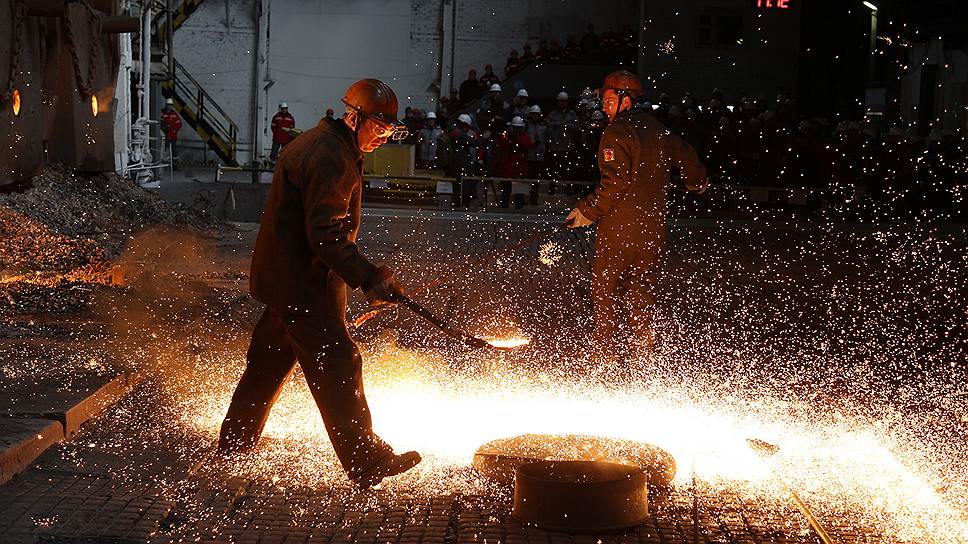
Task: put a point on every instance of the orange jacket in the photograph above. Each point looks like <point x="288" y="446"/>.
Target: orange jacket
<point x="513" y="154"/>
<point x="171" y="122"/>
<point x="280" y="122"/>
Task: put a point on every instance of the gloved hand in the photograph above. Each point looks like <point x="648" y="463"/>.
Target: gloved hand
<point x="576" y="219"/>
<point x="382" y="288"/>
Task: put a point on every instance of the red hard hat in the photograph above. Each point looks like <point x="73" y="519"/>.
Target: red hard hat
<point x="624" y="82"/>
<point x="373" y="98"/>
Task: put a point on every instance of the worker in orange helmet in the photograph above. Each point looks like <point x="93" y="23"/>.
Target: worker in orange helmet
<point x="637" y="156"/>
<point x="305" y="258"/>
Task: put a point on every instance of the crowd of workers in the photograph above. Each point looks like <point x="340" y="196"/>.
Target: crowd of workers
<point x="610" y="48"/>
<point x="509" y="140"/>
<point x="754" y="141"/>
<point x="758" y="141"/>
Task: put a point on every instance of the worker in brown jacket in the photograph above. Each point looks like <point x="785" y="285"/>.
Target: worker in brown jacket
<point x="305" y="258"/>
<point x="636" y="156"/>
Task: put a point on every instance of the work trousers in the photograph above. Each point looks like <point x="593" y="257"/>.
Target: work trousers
<point x="274" y="152"/>
<point x="560" y="168"/>
<point x="172" y="150"/>
<point x="624" y="294"/>
<point x="333" y="368"/>
<point x="506" y="196"/>
<point x="465" y="191"/>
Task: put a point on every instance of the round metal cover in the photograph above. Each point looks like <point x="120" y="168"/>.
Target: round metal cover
<point x="498" y="459"/>
<point x="580" y="496"/>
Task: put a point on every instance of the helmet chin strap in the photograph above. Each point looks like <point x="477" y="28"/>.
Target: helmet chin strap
<point x="622" y="95"/>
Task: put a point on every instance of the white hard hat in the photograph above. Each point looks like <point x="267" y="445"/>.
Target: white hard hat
<point x="516" y="121"/>
<point x="495" y="88"/>
<point x="464" y="118"/>
<point x="283" y="105"/>
<point x="169" y="102"/>
<point x="523" y="92"/>
<point x="431" y="115"/>
<point x="562" y="95"/>
<point x="534" y="109"/>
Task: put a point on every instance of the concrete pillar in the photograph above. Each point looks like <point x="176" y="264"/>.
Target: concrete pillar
<point x="260" y="96"/>
<point x="448" y="46"/>
<point x="122" y="115"/>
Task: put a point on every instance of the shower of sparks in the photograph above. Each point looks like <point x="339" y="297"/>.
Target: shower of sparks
<point x="841" y="465"/>
<point x="795" y="349"/>
<point x="667" y="48"/>
<point x="550" y="253"/>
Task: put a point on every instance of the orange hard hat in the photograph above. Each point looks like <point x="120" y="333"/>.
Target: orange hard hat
<point x="623" y="82"/>
<point x="374" y="99"/>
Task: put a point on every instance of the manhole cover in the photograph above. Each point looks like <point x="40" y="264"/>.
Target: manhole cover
<point x="497" y="460"/>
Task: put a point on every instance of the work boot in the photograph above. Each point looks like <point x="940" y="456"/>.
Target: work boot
<point x="389" y="466"/>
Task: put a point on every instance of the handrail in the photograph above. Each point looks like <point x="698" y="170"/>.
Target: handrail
<point x="205" y="108"/>
<point x="208" y="97"/>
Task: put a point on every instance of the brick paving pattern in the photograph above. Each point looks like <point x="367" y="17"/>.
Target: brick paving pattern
<point x="108" y="486"/>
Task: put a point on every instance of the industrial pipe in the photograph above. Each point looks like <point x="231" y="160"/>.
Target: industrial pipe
<point x="145" y="84"/>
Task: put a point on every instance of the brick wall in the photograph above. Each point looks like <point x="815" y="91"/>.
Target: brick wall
<point x="216" y="46"/>
<point x="426" y="18"/>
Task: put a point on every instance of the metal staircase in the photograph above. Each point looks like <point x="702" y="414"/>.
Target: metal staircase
<point x="202" y="113"/>
<point x="196" y="106"/>
<point x="180" y="14"/>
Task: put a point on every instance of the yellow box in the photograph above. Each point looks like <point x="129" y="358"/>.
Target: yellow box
<point x="390" y="160"/>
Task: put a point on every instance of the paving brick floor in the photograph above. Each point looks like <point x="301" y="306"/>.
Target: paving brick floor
<point x="132" y="476"/>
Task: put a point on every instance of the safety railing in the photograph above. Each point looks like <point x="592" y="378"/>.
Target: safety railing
<point x="203" y="113"/>
<point x="179" y="15"/>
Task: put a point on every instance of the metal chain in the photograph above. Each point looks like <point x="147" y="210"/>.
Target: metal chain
<point x="85" y="86"/>
<point x="19" y="17"/>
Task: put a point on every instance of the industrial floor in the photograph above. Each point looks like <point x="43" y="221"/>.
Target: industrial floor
<point x="789" y="322"/>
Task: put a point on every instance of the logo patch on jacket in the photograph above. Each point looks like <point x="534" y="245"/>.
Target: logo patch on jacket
<point x="608" y="154"/>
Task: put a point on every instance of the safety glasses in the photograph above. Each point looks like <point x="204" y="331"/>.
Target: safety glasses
<point x="394" y="132"/>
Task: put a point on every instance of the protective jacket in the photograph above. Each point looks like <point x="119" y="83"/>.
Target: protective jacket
<point x="636" y="156"/>
<point x="428" y="141"/>
<point x="464" y="151"/>
<point x="562" y="127"/>
<point x="310" y="223"/>
<point x="512" y="148"/>
<point x="172" y="123"/>
<point x="280" y="122"/>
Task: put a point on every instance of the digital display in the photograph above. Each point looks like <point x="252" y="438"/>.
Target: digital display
<point x="772" y="4"/>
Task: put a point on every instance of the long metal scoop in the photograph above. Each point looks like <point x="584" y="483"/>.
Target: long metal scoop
<point x="766" y="450"/>
<point x="472" y="341"/>
<point x="359" y="321"/>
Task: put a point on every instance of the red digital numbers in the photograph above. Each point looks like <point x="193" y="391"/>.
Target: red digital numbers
<point x="781" y="4"/>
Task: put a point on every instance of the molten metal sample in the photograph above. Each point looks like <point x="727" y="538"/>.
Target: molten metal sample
<point x="507" y="343"/>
